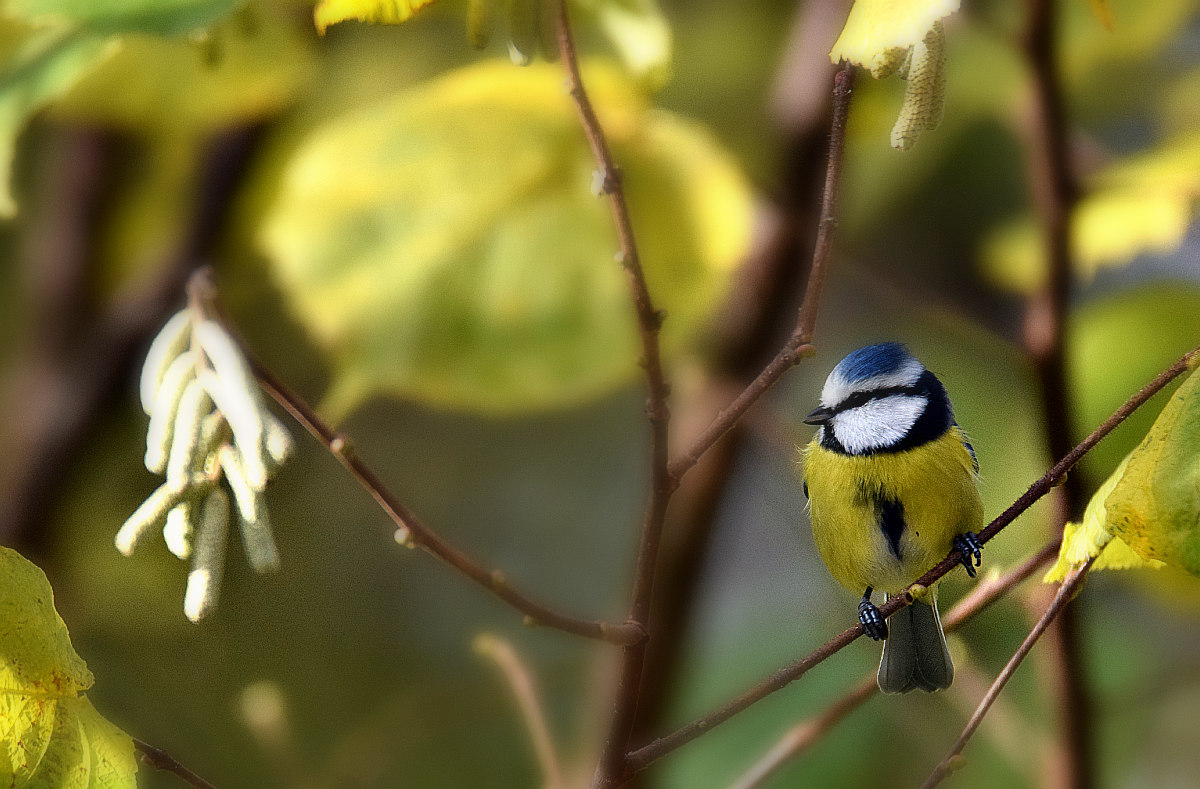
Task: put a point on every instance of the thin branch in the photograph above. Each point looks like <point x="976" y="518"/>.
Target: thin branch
<point x="798" y="345"/>
<point x="953" y="759"/>
<point x="161" y="760"/>
<point x="649" y="320"/>
<point x="649" y="753"/>
<point x="520" y="681"/>
<point x="804" y="735"/>
<point x="412" y="527"/>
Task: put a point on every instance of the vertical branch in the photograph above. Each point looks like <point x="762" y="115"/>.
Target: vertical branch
<point x="1055" y="193"/>
<point x="1065" y="594"/>
<point x="649" y="319"/>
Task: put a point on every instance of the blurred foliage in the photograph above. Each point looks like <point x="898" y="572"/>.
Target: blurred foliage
<point x="352" y="665"/>
<point x="507" y="290"/>
<point x="51" y="733"/>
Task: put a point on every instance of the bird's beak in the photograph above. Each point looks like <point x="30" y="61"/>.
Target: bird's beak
<point x="819" y="416"/>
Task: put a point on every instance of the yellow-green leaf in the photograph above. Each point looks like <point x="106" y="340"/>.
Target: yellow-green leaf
<point x="1156" y="506"/>
<point x="1091" y="537"/>
<point x="445" y="244"/>
<point x="384" y="12"/>
<point x="876" y="27"/>
<point x="1141" y="205"/>
<point x="50" y="735"/>
<point x="640" y="34"/>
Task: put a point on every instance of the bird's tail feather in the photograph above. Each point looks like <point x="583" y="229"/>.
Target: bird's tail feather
<point x="915" y="653"/>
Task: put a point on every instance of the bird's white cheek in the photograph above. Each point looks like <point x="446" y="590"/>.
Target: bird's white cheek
<point x="877" y="424"/>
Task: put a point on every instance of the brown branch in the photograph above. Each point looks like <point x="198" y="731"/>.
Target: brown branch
<point x="649" y="753"/>
<point x="1066" y="593"/>
<point x="804" y="735"/>
<point x="415" y="530"/>
<point x="1055" y="193"/>
<point x="663" y="484"/>
<point x="520" y="681"/>
<point x="799" y="344"/>
<point x="161" y="760"/>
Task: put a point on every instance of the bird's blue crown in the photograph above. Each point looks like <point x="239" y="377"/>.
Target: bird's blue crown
<point x="873" y="360"/>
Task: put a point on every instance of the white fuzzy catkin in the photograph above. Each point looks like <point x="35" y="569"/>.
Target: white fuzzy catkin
<point x="170" y="341"/>
<point x="208" y="560"/>
<point x="166" y="405"/>
<point x="251" y="514"/>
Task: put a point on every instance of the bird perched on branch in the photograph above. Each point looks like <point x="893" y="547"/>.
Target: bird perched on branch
<point x="891" y="481"/>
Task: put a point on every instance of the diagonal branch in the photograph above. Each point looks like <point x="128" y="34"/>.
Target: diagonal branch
<point x="806" y="734"/>
<point x="161" y="760"/>
<point x="413" y="528"/>
<point x="798" y="345"/>
<point x="954" y="758"/>
<point x="655" y="750"/>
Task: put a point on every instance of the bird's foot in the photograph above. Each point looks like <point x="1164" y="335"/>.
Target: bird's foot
<point x="969" y="546"/>
<point x="873" y="623"/>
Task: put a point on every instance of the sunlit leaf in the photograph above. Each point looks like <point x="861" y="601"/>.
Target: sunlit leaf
<point x="1142" y="205"/>
<point x="50" y="735"/>
<point x="1156" y="506"/>
<point x="1091" y="537"/>
<point x="445" y="244"/>
<point x="876" y="27"/>
<point x="384" y="12"/>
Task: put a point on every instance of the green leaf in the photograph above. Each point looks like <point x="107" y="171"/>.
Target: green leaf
<point x="1092" y="537"/>
<point x="106" y="17"/>
<point x="445" y="244"/>
<point x="1156" y="506"/>
<point x="50" y="735"/>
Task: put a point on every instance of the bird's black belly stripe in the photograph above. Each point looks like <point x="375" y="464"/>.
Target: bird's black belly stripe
<point x="891" y="521"/>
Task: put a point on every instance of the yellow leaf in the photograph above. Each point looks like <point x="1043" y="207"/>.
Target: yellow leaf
<point x="1156" y="506"/>
<point x="50" y="735"/>
<point x="1141" y="205"/>
<point x="875" y="27"/>
<point x="445" y="243"/>
<point x="1103" y="13"/>
<point x="1091" y="537"/>
<point x="384" y="12"/>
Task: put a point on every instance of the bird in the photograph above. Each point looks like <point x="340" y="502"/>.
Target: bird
<point x="892" y="487"/>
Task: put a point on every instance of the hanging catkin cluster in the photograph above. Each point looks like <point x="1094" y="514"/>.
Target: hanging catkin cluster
<point x="208" y="423"/>
<point x="923" y="67"/>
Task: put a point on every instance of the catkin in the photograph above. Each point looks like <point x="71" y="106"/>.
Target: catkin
<point x="925" y="94"/>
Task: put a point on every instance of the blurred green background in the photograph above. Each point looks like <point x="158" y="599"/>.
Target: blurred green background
<point x="357" y="655"/>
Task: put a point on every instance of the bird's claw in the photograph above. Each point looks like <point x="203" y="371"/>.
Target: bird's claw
<point x="873" y="623"/>
<point x="969" y="546"/>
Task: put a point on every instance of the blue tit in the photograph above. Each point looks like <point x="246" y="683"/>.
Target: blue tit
<point x="892" y="487"/>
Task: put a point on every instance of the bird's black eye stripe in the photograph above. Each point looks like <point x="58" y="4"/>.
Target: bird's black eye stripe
<point x="855" y="399"/>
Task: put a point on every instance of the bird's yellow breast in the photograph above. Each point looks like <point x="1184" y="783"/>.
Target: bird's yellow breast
<point x="932" y="487"/>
